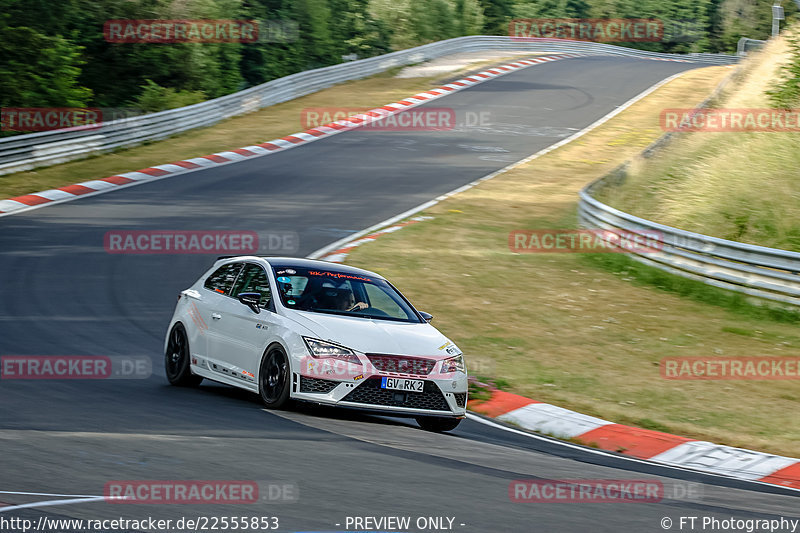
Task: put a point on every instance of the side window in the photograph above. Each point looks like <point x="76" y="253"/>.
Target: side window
<point x="222" y="279"/>
<point x="254" y="279"/>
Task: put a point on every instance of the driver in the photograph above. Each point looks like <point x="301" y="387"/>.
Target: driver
<point x="347" y="302"/>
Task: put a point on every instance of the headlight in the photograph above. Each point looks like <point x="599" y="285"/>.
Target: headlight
<point x="320" y="348"/>
<point x="454" y="364"/>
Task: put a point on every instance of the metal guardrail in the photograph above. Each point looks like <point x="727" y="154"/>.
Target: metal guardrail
<point x="757" y="271"/>
<point x="25" y="152"/>
<point x="745" y="45"/>
<point x="766" y="273"/>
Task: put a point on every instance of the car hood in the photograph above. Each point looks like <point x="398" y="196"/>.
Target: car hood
<point x="376" y="336"/>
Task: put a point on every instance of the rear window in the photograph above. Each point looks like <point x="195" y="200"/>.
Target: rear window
<point x="222" y="279"/>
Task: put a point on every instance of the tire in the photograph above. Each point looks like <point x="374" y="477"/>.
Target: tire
<point x="273" y="378"/>
<point x="176" y="359"/>
<point x="438" y="424"/>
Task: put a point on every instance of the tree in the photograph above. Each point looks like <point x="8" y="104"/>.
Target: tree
<point x="54" y="52"/>
<point x="551" y="9"/>
<point x="39" y="71"/>
<point x="497" y="16"/>
<point x="355" y="31"/>
<point x="469" y="15"/>
<point x="398" y="16"/>
<point x="313" y="17"/>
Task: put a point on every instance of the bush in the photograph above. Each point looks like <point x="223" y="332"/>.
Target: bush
<point x="785" y="93"/>
<point x="155" y="98"/>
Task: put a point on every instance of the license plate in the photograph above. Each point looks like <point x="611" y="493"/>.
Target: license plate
<point x="408" y="385"/>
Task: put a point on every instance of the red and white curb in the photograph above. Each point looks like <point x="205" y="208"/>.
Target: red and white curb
<point x="68" y="193"/>
<point x="340" y="254"/>
<point x="640" y="443"/>
<point x="99" y="186"/>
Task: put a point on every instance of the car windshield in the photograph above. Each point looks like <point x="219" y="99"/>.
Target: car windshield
<point x="341" y="293"/>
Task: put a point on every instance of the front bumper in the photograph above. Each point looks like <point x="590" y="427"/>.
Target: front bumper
<point x="440" y="397"/>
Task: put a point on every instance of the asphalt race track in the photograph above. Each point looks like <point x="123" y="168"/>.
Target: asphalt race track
<point x="62" y="294"/>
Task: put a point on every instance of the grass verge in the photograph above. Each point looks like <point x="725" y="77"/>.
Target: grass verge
<point x="635" y="272"/>
<point x="742" y="186"/>
<point x="573" y="330"/>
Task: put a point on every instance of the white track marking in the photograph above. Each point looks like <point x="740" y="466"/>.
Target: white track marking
<point x="49" y="494"/>
<point x="401" y="216"/>
<point x="52" y="503"/>
<point x="405" y="214"/>
<point x="342" y="242"/>
<point x="102" y="187"/>
<point x="71" y="498"/>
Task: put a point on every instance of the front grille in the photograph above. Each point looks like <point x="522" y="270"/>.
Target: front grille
<point x="461" y="398"/>
<point x="401" y="364"/>
<point x="371" y="393"/>
<point x="321" y="386"/>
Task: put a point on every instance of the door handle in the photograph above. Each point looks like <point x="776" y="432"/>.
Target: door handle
<point x="216" y="316"/>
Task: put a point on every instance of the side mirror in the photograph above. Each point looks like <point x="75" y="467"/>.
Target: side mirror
<point x="427" y="316"/>
<point x="251" y="300"/>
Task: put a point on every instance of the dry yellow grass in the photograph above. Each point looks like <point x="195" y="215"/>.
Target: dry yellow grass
<point x="742" y="186"/>
<point x="558" y="329"/>
<point x="758" y="71"/>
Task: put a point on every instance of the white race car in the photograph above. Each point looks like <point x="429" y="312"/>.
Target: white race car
<point x="315" y="331"/>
